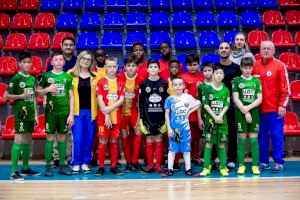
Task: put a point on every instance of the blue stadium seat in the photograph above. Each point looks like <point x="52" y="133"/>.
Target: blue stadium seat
<point x="205" y="19"/>
<point x="67" y="21"/>
<point x="210" y="57"/>
<point x="112" y="40"/>
<point x="267" y="4"/>
<point x="156" y="56"/>
<point x="182" y="60"/>
<point x="138" y="4"/>
<point x="157" y="37"/>
<point x="162" y="4"/>
<point x="182" y="19"/>
<point x="159" y="19"/>
<point x="87" y="40"/>
<point x="50" y="5"/>
<point x="116" y="4"/>
<point x="245" y="4"/>
<point x="229" y="36"/>
<point x="113" y="20"/>
<point x="181" y="4"/>
<point x="227" y="19"/>
<point x="136" y="19"/>
<point x="72" y="5"/>
<point x="185" y="40"/>
<point x="90" y="20"/>
<point x="224" y="4"/>
<point x="94" y="4"/>
<point x="250" y="19"/>
<point x="204" y="4"/>
<point x="135" y="36"/>
<point x="209" y="39"/>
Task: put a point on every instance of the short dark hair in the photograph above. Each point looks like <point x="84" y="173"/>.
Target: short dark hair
<point x="152" y="61"/>
<point x="192" y="58"/>
<point x="209" y="64"/>
<point x="129" y="60"/>
<point x="246" y="61"/>
<point x="137" y="44"/>
<point x="217" y="67"/>
<point x="165" y="42"/>
<point x="24" y="55"/>
<point x="68" y="38"/>
<point x="56" y="53"/>
<point x="99" y="49"/>
<point x="174" y="61"/>
<point x="177" y="77"/>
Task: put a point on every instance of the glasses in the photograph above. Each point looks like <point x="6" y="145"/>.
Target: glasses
<point x="86" y="59"/>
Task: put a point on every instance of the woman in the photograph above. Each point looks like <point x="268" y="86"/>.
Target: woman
<point x="240" y="49"/>
<point x="85" y="111"/>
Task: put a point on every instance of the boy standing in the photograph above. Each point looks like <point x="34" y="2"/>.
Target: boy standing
<point x="138" y="54"/>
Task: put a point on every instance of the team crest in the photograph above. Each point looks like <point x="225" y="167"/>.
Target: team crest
<point x="22" y="84"/>
<point x="161" y="89"/>
<point x="11" y="85"/>
<point x="148" y="89"/>
<point x="105" y="87"/>
<point x="186" y="105"/>
<point x="269" y="73"/>
<point x="173" y="107"/>
<point x="211" y="96"/>
<point x="50" y="80"/>
<point x="241" y="85"/>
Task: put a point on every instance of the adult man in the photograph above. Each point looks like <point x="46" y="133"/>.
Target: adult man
<point x="275" y="97"/>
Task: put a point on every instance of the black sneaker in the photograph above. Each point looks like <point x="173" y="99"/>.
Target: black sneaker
<point x="48" y="171"/>
<point x="116" y="171"/>
<point x="55" y="164"/>
<point x="197" y="162"/>
<point x="176" y="166"/>
<point x="149" y="169"/>
<point x="16" y="176"/>
<point x="137" y="167"/>
<point x="168" y="173"/>
<point x="100" y="171"/>
<point x="29" y="172"/>
<point x="190" y="173"/>
<point x="128" y="169"/>
<point x="64" y="169"/>
<point x="93" y="163"/>
<point x="119" y="164"/>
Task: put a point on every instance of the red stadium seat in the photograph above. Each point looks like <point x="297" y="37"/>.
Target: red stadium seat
<point x="21" y="21"/>
<point x="8" y="5"/>
<point x="289" y="3"/>
<point x="15" y="42"/>
<point x="29" y="5"/>
<point x="282" y="38"/>
<point x="1" y="42"/>
<point x="8" y="65"/>
<point x="36" y="67"/>
<point x="291" y="124"/>
<point x="44" y="21"/>
<point x="40" y="130"/>
<point x="293" y="17"/>
<point x="39" y="41"/>
<point x="46" y="64"/>
<point x="257" y="56"/>
<point x="295" y="90"/>
<point x="9" y="129"/>
<point x="297" y="38"/>
<point x="273" y="18"/>
<point x="3" y="88"/>
<point x="58" y="37"/>
<point x="291" y="60"/>
<point x="4" y="21"/>
<point x="256" y="37"/>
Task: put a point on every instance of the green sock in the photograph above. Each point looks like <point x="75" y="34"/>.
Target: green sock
<point x="48" y="151"/>
<point x="25" y="155"/>
<point x="222" y="157"/>
<point x="254" y="151"/>
<point x="15" y="155"/>
<point x="207" y="157"/>
<point x="62" y="149"/>
<point x="241" y="150"/>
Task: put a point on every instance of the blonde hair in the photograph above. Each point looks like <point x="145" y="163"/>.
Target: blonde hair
<point x="246" y="47"/>
<point x="76" y="69"/>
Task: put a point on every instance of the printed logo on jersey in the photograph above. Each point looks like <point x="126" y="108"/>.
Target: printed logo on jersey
<point x="186" y="105"/>
<point x="269" y="73"/>
<point x="59" y="91"/>
<point x="105" y="87"/>
<point x="248" y="92"/>
<point x="11" y="85"/>
<point x="50" y="80"/>
<point x="173" y="107"/>
<point x="112" y="96"/>
<point x="210" y="96"/>
<point x="148" y="89"/>
<point x="129" y="95"/>
<point x="155" y="98"/>
<point x="217" y="104"/>
<point x="22" y="84"/>
<point x="161" y="89"/>
<point x="241" y="85"/>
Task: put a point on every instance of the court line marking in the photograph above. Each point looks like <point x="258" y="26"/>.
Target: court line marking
<point x="129" y="191"/>
<point x="79" y="197"/>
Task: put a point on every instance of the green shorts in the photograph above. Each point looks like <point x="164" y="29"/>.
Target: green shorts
<point x="216" y="133"/>
<point x="56" y="124"/>
<point x="242" y="126"/>
<point x="24" y="126"/>
<point x="216" y="138"/>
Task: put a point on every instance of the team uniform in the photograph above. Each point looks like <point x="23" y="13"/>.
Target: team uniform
<point x="142" y="70"/>
<point x="164" y="69"/>
<point x="200" y="96"/>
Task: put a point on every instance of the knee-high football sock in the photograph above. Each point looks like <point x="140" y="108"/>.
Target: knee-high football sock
<point x="62" y="151"/>
<point x="223" y="157"/>
<point x="159" y="151"/>
<point x="48" y="151"/>
<point x="149" y="152"/>
<point x="25" y="155"/>
<point x="241" y="150"/>
<point x="136" y="148"/>
<point x="254" y="151"/>
<point x="101" y="153"/>
<point x="126" y="149"/>
<point x="15" y="155"/>
<point x="113" y="150"/>
<point x="207" y="157"/>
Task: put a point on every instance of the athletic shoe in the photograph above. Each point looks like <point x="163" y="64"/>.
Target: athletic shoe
<point x="231" y="165"/>
<point x="100" y="171"/>
<point x="241" y="170"/>
<point x="64" y="169"/>
<point x="128" y="169"/>
<point x="159" y="170"/>
<point x="190" y="173"/>
<point x="85" y="169"/>
<point x="48" y="171"/>
<point x="149" y="169"/>
<point x="176" y="167"/>
<point x="116" y="171"/>
<point x="278" y="168"/>
<point x="119" y="164"/>
<point x="264" y="166"/>
<point x="137" y="167"/>
<point x="29" y="172"/>
<point x="224" y="172"/>
<point x="255" y="170"/>
<point x="168" y="173"/>
<point x="16" y="176"/>
<point x="75" y="169"/>
<point x="94" y="163"/>
<point x="197" y="162"/>
<point x="205" y="171"/>
<point x="55" y="164"/>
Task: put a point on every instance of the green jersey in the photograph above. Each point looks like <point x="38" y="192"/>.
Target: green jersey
<point x="24" y="109"/>
<point x="58" y="101"/>
<point x="247" y="89"/>
<point x="200" y="96"/>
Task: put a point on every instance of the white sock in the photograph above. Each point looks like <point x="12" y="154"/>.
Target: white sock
<point x="171" y="158"/>
<point x="187" y="160"/>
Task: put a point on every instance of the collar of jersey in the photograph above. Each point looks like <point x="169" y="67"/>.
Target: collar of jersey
<point x="246" y="78"/>
<point x="57" y="73"/>
<point x="24" y="74"/>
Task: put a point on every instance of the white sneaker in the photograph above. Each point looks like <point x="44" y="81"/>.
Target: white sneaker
<point x="231" y="165"/>
<point x="85" y="169"/>
<point x="76" y="169"/>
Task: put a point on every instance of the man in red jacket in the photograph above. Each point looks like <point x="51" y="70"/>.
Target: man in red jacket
<point x="275" y="95"/>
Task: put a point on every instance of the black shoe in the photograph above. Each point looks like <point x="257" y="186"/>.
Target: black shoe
<point x="29" y="172"/>
<point x="100" y="171"/>
<point x="16" y="176"/>
<point x="197" y="162"/>
<point x="94" y="163"/>
<point x="168" y="173"/>
<point x="55" y="164"/>
<point x="176" y="167"/>
<point x="137" y="167"/>
<point x="64" y="169"/>
<point x="128" y="169"/>
<point x="190" y="173"/>
<point x="149" y="169"/>
<point x="48" y="171"/>
<point x="116" y="171"/>
<point x="119" y="164"/>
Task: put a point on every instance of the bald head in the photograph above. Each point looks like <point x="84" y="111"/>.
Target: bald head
<point x="267" y="49"/>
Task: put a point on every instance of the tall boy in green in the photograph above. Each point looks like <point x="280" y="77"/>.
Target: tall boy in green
<point x="59" y="111"/>
<point x="21" y="89"/>
<point x="216" y="103"/>
<point x="247" y="97"/>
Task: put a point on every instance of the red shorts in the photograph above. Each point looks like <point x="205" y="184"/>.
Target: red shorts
<point x="130" y="120"/>
<point x="106" y="133"/>
<point x="195" y="130"/>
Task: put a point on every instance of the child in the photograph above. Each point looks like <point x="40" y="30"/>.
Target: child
<point x="178" y="107"/>
<point x="247" y="97"/>
<point x="110" y="94"/>
<point x="153" y="93"/>
<point x="216" y="103"/>
<point x="21" y="89"/>
<point x="138" y="54"/>
<point x="59" y="110"/>
<point x="192" y="79"/>
<point x="131" y="145"/>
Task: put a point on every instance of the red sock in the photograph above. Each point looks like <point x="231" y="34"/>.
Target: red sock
<point x="177" y="157"/>
<point x="159" y="151"/>
<point x="137" y="141"/>
<point x="126" y="149"/>
<point x="113" y="151"/>
<point x="195" y="148"/>
<point x="101" y="153"/>
<point x="95" y="148"/>
<point x="149" y="152"/>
